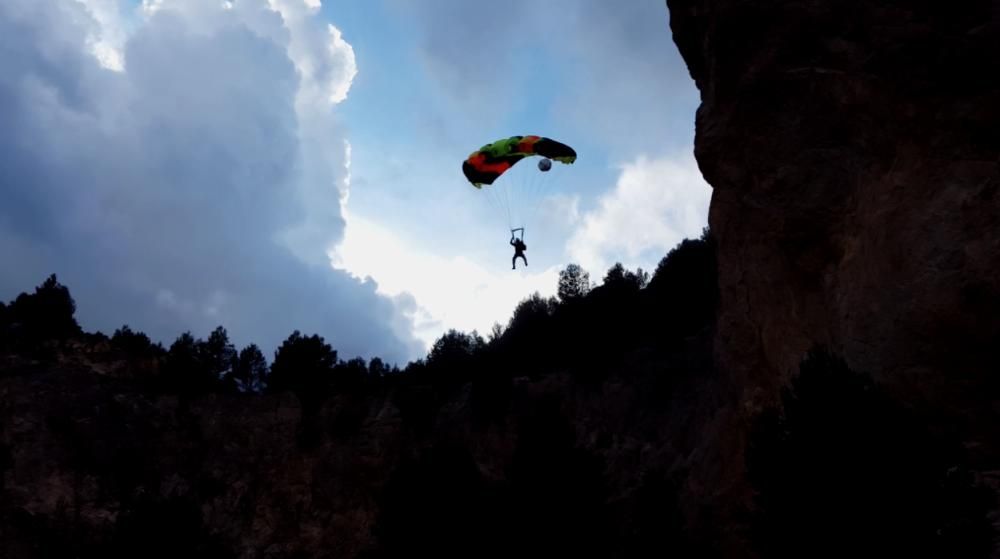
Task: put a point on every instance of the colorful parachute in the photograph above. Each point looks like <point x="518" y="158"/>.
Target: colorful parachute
<point x="492" y="160"/>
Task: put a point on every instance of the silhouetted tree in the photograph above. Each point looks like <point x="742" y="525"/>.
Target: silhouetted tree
<point x="415" y="397"/>
<point x="528" y="333"/>
<point x="843" y="471"/>
<point x="531" y="310"/>
<point x="185" y="367"/>
<point x="250" y="372"/>
<point x="140" y="357"/>
<point x="685" y="286"/>
<point x="378" y="368"/>
<point x="454" y="346"/>
<point x="574" y="282"/>
<point x="495" y="333"/>
<point x="620" y="278"/>
<point x="303" y="365"/>
<point x="453" y="355"/>
<point x="348" y="383"/>
<point x="47" y="314"/>
<point x="218" y="354"/>
<point x="134" y="344"/>
<point x="601" y="321"/>
<point x="350" y="375"/>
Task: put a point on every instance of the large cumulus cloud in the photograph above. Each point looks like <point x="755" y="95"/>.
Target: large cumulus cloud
<point x="197" y="182"/>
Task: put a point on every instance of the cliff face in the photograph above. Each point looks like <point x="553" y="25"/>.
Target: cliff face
<point x="854" y="152"/>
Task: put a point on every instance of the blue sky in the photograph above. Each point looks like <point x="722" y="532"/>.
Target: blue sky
<point x="272" y="165"/>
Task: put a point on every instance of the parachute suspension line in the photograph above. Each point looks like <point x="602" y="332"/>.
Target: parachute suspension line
<point x="521" y="194"/>
<point x="525" y="182"/>
<point x="497" y="201"/>
<point x="531" y="190"/>
<point x="542" y="179"/>
<point x="509" y="202"/>
<point x="504" y="195"/>
<point x="494" y="200"/>
<point x="491" y="197"/>
<point x="526" y="189"/>
<point x="520" y="198"/>
<point x="533" y="197"/>
<point x="502" y="200"/>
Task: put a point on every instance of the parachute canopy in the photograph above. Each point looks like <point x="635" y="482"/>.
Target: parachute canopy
<point x="492" y="160"/>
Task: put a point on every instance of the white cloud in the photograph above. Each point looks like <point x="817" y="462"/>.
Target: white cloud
<point x="342" y="56"/>
<point x="106" y="40"/>
<point x="151" y="6"/>
<point x="450" y="291"/>
<point x="157" y="192"/>
<point x="654" y="205"/>
<point x="324" y="60"/>
<point x="326" y="66"/>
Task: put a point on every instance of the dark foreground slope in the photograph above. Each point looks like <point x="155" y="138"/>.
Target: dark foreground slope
<point x="585" y="428"/>
<point x="566" y="433"/>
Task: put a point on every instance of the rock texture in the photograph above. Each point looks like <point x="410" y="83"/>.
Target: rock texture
<point x="94" y="465"/>
<point x="90" y="460"/>
<point x="854" y="151"/>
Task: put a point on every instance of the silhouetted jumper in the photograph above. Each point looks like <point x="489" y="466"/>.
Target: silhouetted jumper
<point x="519" y="248"/>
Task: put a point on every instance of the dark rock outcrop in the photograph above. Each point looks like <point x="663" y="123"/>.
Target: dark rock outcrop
<point x="854" y="151"/>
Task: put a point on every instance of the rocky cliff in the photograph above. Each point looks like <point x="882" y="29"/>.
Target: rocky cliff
<point x="854" y="151"/>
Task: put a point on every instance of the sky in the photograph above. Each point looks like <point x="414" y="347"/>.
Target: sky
<point x="280" y="165"/>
